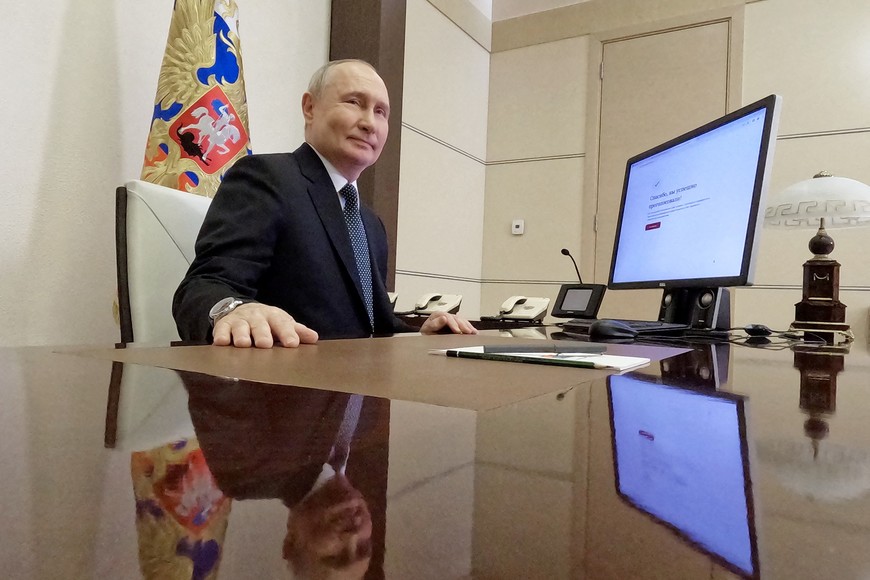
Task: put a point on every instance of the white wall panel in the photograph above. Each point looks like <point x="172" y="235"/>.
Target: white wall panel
<point x="440" y="209"/>
<point x="537" y="99"/>
<point x="446" y="80"/>
<point x="816" y="55"/>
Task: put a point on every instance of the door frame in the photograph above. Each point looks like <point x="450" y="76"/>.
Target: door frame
<point x="733" y="16"/>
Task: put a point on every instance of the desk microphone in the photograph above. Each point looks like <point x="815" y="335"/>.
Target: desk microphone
<point x="565" y="252"/>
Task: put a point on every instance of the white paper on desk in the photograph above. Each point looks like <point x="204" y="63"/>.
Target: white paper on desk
<point x="603" y="361"/>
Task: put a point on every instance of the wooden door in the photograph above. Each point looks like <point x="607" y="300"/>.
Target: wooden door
<point x="654" y="86"/>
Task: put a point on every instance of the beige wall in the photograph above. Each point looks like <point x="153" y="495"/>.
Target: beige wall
<point x="80" y="80"/>
<point x="442" y="171"/>
<point x="818" y="58"/>
<point x="537" y="118"/>
<point x="814" y="56"/>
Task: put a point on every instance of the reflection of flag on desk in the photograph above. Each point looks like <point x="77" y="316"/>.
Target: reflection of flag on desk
<point x="200" y="122"/>
<point x="181" y="515"/>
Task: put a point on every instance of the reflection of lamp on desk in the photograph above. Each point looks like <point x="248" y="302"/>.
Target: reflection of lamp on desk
<point x="824" y="202"/>
<point x="836" y="473"/>
<point x="818" y="395"/>
<point x="823" y="470"/>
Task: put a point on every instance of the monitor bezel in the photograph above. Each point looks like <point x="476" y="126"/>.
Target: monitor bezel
<point x="772" y="103"/>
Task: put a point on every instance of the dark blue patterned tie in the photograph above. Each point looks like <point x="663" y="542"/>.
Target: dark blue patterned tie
<point x="360" y="244"/>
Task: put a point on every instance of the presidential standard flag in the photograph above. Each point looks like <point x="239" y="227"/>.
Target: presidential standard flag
<point x="200" y="122"/>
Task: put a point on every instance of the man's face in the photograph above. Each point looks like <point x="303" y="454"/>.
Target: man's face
<point x="348" y="122"/>
<point x="329" y="533"/>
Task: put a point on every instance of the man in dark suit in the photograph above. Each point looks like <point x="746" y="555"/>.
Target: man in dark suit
<point x="284" y="254"/>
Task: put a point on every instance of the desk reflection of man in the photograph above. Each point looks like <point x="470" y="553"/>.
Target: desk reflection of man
<point x="323" y="454"/>
<point x="329" y="533"/>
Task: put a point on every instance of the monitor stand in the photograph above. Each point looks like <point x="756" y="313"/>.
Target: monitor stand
<point x="700" y="308"/>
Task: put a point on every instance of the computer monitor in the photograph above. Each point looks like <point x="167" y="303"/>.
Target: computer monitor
<point x="691" y="212"/>
<point x="682" y="457"/>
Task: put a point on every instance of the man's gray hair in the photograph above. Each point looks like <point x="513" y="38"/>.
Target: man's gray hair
<point x="318" y="79"/>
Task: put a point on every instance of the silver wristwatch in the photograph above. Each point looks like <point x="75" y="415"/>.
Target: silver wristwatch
<point x="222" y="308"/>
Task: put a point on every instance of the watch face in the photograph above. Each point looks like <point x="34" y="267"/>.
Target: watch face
<point x="222" y="307"/>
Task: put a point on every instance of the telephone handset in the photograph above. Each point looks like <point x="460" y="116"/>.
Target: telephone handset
<point x="429" y="303"/>
<point x="524" y="308"/>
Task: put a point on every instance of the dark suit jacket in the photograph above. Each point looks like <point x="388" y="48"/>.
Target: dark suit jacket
<point x="275" y="233"/>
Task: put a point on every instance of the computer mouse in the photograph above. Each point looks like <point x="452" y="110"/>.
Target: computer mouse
<point x="757" y="330"/>
<point x="609" y="329"/>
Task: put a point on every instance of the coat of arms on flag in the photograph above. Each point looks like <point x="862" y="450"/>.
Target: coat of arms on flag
<point x="200" y="122"/>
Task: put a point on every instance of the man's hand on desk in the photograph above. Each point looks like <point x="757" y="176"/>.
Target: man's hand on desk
<point x="261" y="325"/>
<point x="438" y="321"/>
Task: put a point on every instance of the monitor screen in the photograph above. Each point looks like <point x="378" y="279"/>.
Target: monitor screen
<point x="690" y="207"/>
<point x="681" y="456"/>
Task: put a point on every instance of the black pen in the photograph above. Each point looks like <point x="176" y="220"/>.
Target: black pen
<point x="567" y="348"/>
<point x="522" y="358"/>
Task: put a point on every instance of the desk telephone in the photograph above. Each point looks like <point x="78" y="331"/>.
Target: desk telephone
<point x="429" y="303"/>
<point x="523" y="308"/>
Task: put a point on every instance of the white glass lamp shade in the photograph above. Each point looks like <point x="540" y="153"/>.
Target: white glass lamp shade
<point x="843" y="202"/>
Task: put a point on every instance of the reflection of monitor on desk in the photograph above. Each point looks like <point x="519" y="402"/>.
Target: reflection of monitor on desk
<point x="706" y="365"/>
<point x="681" y="456"/>
<point x="689" y="218"/>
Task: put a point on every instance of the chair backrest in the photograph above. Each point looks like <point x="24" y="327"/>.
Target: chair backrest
<point x="155" y="232"/>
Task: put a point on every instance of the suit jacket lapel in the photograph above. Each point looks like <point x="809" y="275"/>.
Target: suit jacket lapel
<point x="325" y="200"/>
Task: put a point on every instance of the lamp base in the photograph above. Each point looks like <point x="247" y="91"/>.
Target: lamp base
<point x="821" y="311"/>
<point x="826" y="331"/>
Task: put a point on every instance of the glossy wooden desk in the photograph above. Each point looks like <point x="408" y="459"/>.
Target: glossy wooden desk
<point x="520" y="489"/>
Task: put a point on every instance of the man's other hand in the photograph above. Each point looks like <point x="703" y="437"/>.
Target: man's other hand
<point x="261" y="325"/>
<point x="440" y="320"/>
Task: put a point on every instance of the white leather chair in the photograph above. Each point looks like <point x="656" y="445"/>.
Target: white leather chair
<point x="155" y="231"/>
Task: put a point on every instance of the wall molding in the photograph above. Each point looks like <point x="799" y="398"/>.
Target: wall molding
<point x="593" y="17"/>
<point x="798" y="287"/>
<point x="434" y="275"/>
<point x="831" y="133"/>
<point x="534" y="159"/>
<point x="442" y="142"/>
<point x="483" y="162"/>
<point x="468" y="19"/>
<point x="416" y="274"/>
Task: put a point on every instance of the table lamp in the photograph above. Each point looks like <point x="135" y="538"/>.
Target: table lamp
<point x="823" y="202"/>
